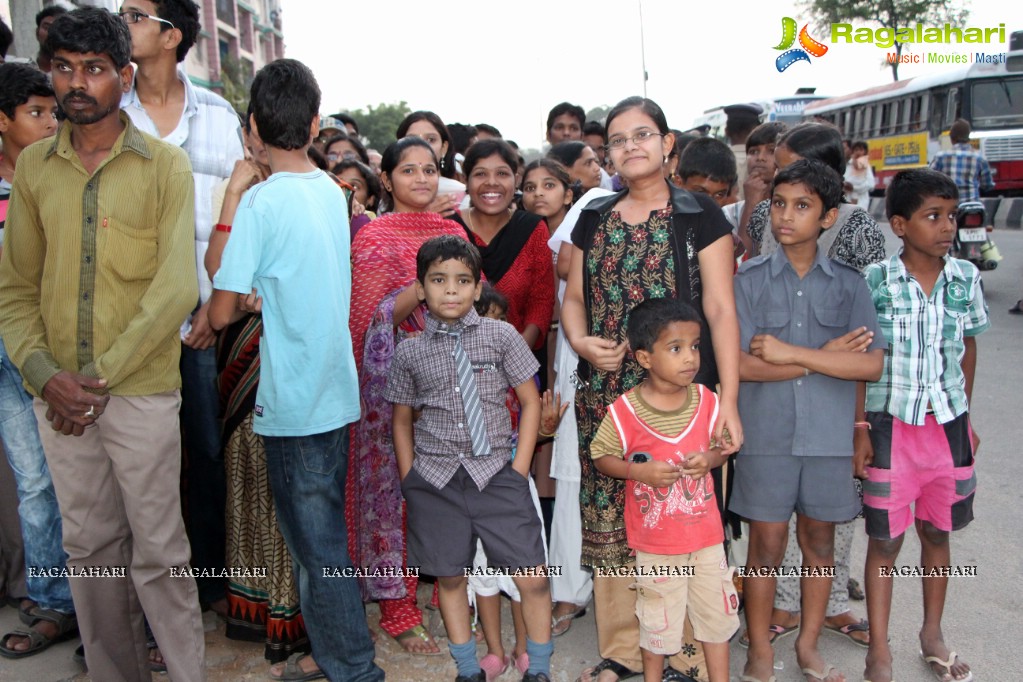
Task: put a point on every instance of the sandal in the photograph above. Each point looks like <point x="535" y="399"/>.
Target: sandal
<point x="1016" y="310"/>
<point x="66" y="624"/>
<point x="493" y="667"/>
<point x="777" y="632"/>
<point x="623" y="673"/>
<point x="563" y="623"/>
<point x="418" y="632"/>
<point x="945" y="676"/>
<point x="293" y="671"/>
<point x="848" y="630"/>
<point x="672" y="675"/>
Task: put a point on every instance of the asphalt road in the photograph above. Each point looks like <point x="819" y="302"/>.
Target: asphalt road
<point x="982" y="613"/>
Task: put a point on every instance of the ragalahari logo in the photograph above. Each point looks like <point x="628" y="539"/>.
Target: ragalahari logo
<point x="788" y="37"/>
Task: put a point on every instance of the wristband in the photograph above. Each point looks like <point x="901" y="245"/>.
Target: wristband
<point x="221" y="227"/>
<point x="546" y="435"/>
<point x="861" y="425"/>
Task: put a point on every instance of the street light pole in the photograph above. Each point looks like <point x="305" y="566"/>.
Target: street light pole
<point x="642" y="47"/>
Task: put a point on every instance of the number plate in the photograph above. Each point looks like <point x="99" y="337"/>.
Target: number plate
<point x="972" y="234"/>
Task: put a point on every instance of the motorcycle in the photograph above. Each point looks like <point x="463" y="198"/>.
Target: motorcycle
<point x="972" y="242"/>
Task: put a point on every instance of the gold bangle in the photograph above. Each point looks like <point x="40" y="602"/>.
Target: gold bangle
<point x="546" y="435"/>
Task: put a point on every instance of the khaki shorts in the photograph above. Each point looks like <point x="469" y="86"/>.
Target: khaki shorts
<point x="667" y="586"/>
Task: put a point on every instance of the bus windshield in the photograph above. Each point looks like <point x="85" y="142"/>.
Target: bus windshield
<point x="997" y="103"/>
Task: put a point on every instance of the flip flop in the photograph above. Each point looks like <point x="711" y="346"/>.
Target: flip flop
<point x="617" y="668"/>
<point x="819" y="675"/>
<point x="293" y="672"/>
<point x="750" y="678"/>
<point x="947" y="676"/>
<point x="777" y="632"/>
<point x="420" y="632"/>
<point x="848" y="630"/>
<point x="1014" y="310"/>
<point x="672" y="675"/>
<point x="557" y="630"/>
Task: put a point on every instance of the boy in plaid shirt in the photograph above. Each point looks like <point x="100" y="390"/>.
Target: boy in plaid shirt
<point x="921" y="446"/>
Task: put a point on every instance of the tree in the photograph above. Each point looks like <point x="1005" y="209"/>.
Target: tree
<point x="235" y="83"/>
<point x="893" y="14"/>
<point x="598" y="114"/>
<point x="377" y="125"/>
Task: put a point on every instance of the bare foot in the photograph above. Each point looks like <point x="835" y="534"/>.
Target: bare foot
<point x="879" y="665"/>
<point x="809" y="658"/>
<point x="759" y="663"/>
<point x="943" y="662"/>
<point x="156" y="661"/>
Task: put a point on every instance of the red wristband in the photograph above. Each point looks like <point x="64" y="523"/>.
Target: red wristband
<point x="221" y="227"/>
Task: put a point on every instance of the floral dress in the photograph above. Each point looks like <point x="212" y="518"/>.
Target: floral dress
<point x="625" y="265"/>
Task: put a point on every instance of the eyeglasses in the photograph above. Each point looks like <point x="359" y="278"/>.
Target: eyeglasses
<point x="134" y="17"/>
<point x="639" y="138"/>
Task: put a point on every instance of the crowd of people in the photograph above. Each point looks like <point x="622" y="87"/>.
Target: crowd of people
<point x="614" y="375"/>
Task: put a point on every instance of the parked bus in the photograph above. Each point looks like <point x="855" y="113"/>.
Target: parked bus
<point x="786" y="109"/>
<point x="906" y="123"/>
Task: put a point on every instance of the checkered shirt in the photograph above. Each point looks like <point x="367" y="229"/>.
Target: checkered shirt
<point x="968" y="169"/>
<point x="922" y="369"/>
<point x="423" y="375"/>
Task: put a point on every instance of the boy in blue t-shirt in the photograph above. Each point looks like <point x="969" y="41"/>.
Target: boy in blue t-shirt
<point x="289" y="256"/>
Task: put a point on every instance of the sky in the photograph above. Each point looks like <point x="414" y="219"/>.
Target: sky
<point x="508" y="63"/>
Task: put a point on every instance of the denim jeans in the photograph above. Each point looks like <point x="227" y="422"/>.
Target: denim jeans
<point x="307" y="477"/>
<point x="206" y="477"/>
<point x="37" y="502"/>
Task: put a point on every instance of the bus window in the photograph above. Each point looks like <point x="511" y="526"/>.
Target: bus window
<point x="884" y="124"/>
<point x="916" y="117"/>
<point x="952" y="106"/>
<point x="997" y="103"/>
<point x="937" y="111"/>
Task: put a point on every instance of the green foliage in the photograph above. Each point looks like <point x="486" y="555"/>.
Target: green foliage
<point x="598" y="114"/>
<point x="378" y="124"/>
<point x="894" y="14"/>
<point x="235" y="83"/>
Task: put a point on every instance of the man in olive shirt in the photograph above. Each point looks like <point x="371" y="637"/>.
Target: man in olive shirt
<point x="97" y="276"/>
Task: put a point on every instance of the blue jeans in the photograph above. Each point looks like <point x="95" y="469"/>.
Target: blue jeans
<point x="37" y="502"/>
<point x="206" y="477"/>
<point x="307" y="477"/>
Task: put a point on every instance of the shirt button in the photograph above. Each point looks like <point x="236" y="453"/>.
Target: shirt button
<point x="460" y="425"/>
<point x="85" y="344"/>
<point x="457" y="389"/>
<point x="85" y="296"/>
<point x="799" y="382"/>
<point x="799" y="324"/>
<point x="799" y="293"/>
<point x="88" y="259"/>
<point x="89" y="187"/>
<point x="89" y="220"/>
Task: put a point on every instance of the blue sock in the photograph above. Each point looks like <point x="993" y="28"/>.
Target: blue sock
<point x="539" y="656"/>
<point x="465" y="657"/>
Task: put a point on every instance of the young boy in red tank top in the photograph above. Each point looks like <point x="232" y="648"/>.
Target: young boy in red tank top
<point x="659" y="437"/>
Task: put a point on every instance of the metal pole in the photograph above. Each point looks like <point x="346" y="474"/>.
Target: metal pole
<point x="642" y="46"/>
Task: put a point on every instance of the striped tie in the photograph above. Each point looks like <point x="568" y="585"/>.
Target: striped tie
<point x="474" y="422"/>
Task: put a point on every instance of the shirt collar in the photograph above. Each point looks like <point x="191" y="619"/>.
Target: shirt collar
<point x="779" y="260"/>
<point x="681" y="201"/>
<point x="435" y="326"/>
<point x="131" y="98"/>
<point x="131" y="139"/>
<point x="951" y="270"/>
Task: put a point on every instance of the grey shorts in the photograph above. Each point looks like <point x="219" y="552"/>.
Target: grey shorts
<point x="770" y="487"/>
<point x="443" y="525"/>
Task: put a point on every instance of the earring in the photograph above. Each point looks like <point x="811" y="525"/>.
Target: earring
<point x="665" y="160"/>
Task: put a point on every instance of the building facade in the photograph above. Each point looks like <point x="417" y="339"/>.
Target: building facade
<point x="238" y="37"/>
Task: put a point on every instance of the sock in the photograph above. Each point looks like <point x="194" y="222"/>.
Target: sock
<point x="539" y="656"/>
<point x="465" y="657"/>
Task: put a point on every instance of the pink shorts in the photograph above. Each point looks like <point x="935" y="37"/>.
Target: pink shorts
<point x="923" y="471"/>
